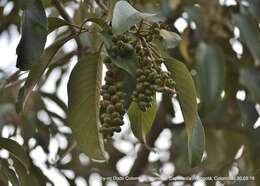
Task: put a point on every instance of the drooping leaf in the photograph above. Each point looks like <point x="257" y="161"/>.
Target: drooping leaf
<point x="25" y="178"/>
<point x="171" y="39"/>
<point x="210" y="68"/>
<point x="125" y="16"/>
<point x="8" y="173"/>
<point x="37" y="71"/>
<point x="250" y="78"/>
<point x="34" y="34"/>
<point x="196" y="144"/>
<point x="84" y="103"/>
<point x="16" y="150"/>
<point x="186" y="92"/>
<point x="249" y="34"/>
<point x="54" y="23"/>
<point x="141" y="122"/>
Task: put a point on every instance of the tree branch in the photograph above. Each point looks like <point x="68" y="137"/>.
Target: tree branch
<point x="59" y="6"/>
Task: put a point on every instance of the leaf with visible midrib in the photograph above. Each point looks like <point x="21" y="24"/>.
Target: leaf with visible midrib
<point x="141" y="122"/>
<point x="210" y="68"/>
<point x="16" y="150"/>
<point x="186" y="92"/>
<point x="34" y="35"/>
<point x="125" y="16"/>
<point x="83" y="105"/>
<point x="196" y="145"/>
<point x="37" y="71"/>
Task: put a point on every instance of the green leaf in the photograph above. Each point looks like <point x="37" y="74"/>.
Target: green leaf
<point x="84" y="103"/>
<point x="37" y="71"/>
<point x="196" y="144"/>
<point x="210" y="68"/>
<point x="171" y="39"/>
<point x="16" y="150"/>
<point x="26" y="178"/>
<point x="8" y="173"/>
<point x="34" y="35"/>
<point x="249" y="34"/>
<point x="55" y="22"/>
<point x="141" y="122"/>
<point x="250" y="78"/>
<point x="186" y="92"/>
<point x="125" y="16"/>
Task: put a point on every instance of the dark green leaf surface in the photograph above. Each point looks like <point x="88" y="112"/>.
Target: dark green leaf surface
<point x="186" y="92"/>
<point x="250" y="34"/>
<point x="16" y="150"/>
<point x="54" y="23"/>
<point x="125" y="16"/>
<point x="210" y="68"/>
<point x="34" y="34"/>
<point x="141" y="122"/>
<point x="8" y="173"/>
<point x="250" y="78"/>
<point x="196" y="145"/>
<point x="248" y="112"/>
<point x="37" y="71"/>
<point x="84" y="103"/>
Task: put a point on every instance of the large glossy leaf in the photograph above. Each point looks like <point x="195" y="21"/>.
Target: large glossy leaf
<point x="125" y="16"/>
<point x="16" y="150"/>
<point x="250" y="78"/>
<point x="8" y="173"/>
<point x="34" y="34"/>
<point x="210" y="74"/>
<point x="249" y="34"/>
<point x="84" y="103"/>
<point x="141" y="122"/>
<point x="196" y="145"/>
<point x="37" y="71"/>
<point x="186" y="92"/>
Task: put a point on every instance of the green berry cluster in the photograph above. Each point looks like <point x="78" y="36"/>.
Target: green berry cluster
<point x="112" y="103"/>
<point x="121" y="47"/>
<point x="150" y="77"/>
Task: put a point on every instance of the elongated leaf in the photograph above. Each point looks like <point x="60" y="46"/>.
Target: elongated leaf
<point x="125" y="16"/>
<point x="196" y="145"/>
<point x="37" y="71"/>
<point x="34" y="35"/>
<point x="141" y="122"/>
<point x="171" y="39"/>
<point x="249" y="34"/>
<point x="186" y="92"/>
<point x="54" y="23"/>
<point x="84" y="103"/>
<point x="16" y="150"/>
<point x="25" y="178"/>
<point x="250" y="78"/>
<point x="8" y="173"/>
<point x="248" y="112"/>
<point x="210" y="74"/>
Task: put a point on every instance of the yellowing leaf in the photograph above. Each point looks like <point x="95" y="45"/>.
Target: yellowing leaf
<point x="186" y="92"/>
<point x="83" y="105"/>
<point x="141" y="122"/>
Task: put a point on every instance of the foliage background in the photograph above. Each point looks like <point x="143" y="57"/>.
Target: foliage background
<point x="221" y="47"/>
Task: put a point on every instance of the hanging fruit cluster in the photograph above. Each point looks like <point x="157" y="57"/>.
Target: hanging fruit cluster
<point x="150" y="78"/>
<point x="112" y="105"/>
